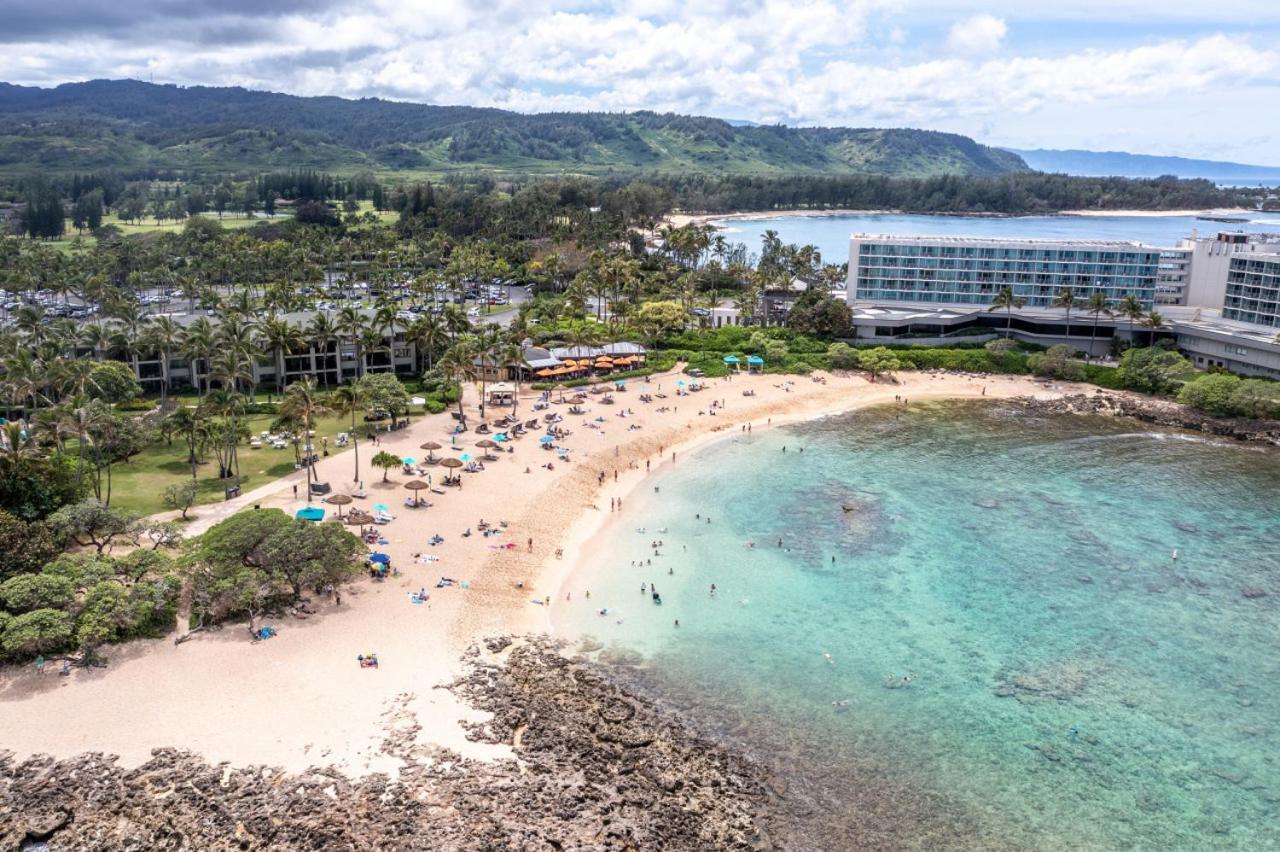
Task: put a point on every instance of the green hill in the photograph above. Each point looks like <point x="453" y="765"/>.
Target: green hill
<point x="135" y="127"/>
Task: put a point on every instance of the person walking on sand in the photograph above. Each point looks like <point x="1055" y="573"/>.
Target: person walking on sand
<point x="531" y="544"/>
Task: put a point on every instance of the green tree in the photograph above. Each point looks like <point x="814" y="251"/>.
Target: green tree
<point x="1211" y="393"/>
<point x="1097" y="306"/>
<point x="386" y="393"/>
<point x="1256" y="398"/>
<point x="36" y="632"/>
<point x="1154" y="370"/>
<point x="26" y="545"/>
<point x="91" y="524"/>
<point x="352" y="399"/>
<point x="1006" y="301"/>
<point x="1057" y="362"/>
<point x="302" y="404"/>
<point x="1130" y="307"/>
<point x="879" y="361"/>
<point x="181" y="496"/>
<point x="27" y="592"/>
<point x="386" y="461"/>
<point x="1066" y="299"/>
<point x="842" y="356"/>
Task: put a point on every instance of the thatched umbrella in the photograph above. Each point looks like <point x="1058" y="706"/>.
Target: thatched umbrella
<point x="560" y="387"/>
<point x="452" y="464"/>
<point x="416" y="485"/>
<point x="339" y="500"/>
<point x="430" y="447"/>
<point x="487" y="445"/>
<point x="357" y="517"/>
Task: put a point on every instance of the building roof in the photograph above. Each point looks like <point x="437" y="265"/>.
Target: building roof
<point x="1005" y="242"/>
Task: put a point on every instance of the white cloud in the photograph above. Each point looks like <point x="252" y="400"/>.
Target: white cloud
<point x="978" y="34"/>
<point x="797" y="61"/>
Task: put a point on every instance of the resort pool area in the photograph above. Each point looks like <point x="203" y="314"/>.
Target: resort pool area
<point x="963" y="624"/>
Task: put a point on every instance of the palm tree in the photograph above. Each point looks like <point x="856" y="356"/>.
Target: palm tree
<point x="96" y="337"/>
<point x="1066" y="299"/>
<point x="351" y="324"/>
<point x="303" y="404"/>
<point x="323" y="332"/>
<point x="162" y="336"/>
<point x="428" y="335"/>
<point x="350" y="399"/>
<point x="1006" y="301"/>
<point x="1130" y="307"/>
<point x="197" y="346"/>
<point x="458" y="366"/>
<point x="229" y="368"/>
<point x="1153" y="321"/>
<point x="1097" y="305"/>
<point x="281" y="337"/>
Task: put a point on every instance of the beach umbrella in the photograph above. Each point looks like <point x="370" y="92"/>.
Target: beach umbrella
<point x="379" y="507"/>
<point x="410" y="460"/>
<point x="486" y="445"/>
<point x="340" y="500"/>
<point x="466" y="457"/>
<point x="380" y="558"/>
<point x="431" y="446"/>
<point x="546" y="439"/>
<point x="357" y="517"/>
<point x="416" y="485"/>
<point x="501" y="437"/>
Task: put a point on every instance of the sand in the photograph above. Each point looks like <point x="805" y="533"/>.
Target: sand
<point x="300" y="699"/>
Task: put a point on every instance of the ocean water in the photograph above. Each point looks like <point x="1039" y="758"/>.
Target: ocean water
<point x="830" y="234"/>
<point x="1017" y="659"/>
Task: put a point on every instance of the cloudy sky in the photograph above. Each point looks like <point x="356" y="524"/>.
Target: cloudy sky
<point x="1150" y="76"/>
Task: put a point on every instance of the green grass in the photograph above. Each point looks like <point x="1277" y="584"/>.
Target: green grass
<point x="148" y="226"/>
<point x="138" y="485"/>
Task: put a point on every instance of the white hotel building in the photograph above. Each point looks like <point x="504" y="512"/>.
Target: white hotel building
<point x="1220" y="297"/>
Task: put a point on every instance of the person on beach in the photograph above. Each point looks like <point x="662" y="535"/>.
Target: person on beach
<point x="713" y="590"/>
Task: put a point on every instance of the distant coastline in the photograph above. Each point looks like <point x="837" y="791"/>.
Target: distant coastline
<point x="679" y="220"/>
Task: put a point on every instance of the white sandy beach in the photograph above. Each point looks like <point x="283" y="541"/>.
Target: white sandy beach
<point x="300" y="699"/>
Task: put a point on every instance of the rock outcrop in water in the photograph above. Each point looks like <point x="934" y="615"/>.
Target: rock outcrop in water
<point x="596" y="768"/>
<point x="1160" y="412"/>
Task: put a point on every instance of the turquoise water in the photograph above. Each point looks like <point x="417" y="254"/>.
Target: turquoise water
<point x="831" y="233"/>
<point x="1024" y="663"/>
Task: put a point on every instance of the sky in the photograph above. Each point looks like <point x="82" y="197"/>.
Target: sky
<point x="1147" y="76"/>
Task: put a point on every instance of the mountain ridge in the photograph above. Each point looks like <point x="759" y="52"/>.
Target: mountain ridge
<point x="133" y="125"/>
<point x="1124" y="164"/>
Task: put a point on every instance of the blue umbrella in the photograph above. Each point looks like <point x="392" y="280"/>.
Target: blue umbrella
<point x="465" y="456"/>
<point x="680" y="381"/>
<point x="546" y="440"/>
<point x="500" y="437"/>
<point x="378" y="507"/>
<point x="410" y="460"/>
<point x="380" y="557"/>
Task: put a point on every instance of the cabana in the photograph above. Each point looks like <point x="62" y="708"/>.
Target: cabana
<point x="755" y="364"/>
<point x="310" y="513"/>
<point x="733" y="362"/>
<point x="500" y="394"/>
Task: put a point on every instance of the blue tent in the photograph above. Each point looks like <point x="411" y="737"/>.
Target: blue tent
<point x="732" y="359"/>
<point x="311" y="513"/>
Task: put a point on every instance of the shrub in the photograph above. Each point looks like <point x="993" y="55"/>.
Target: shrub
<point x="1056" y="363"/>
<point x="435" y="406"/>
<point x="1210" y="393"/>
<point x="1154" y="370"/>
<point x="139" y="404"/>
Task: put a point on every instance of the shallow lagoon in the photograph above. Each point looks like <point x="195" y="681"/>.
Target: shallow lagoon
<point x="1023" y="661"/>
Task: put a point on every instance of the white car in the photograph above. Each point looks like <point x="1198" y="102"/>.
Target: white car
<point x="473" y="313"/>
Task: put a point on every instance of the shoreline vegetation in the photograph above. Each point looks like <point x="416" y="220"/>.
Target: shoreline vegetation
<point x="679" y="219"/>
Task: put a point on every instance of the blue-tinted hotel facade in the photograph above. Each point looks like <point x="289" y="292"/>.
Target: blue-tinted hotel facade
<point x="970" y="271"/>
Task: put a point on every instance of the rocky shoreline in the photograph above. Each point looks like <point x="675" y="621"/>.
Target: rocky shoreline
<point x="1161" y="413"/>
<point x="596" y="767"/>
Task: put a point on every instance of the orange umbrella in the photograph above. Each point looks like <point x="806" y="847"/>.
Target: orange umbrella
<point x="545" y="373"/>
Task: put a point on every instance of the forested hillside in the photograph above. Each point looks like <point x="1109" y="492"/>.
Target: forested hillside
<point x="137" y="127"/>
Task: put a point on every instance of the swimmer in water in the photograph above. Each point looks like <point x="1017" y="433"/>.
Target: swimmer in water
<point x="829" y="658"/>
<point x="1175" y="554"/>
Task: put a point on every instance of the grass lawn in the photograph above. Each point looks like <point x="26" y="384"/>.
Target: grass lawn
<point x="139" y="485"/>
<point x="149" y="226"/>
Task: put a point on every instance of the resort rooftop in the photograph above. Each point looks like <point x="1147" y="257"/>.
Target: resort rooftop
<point x="1005" y="242"/>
